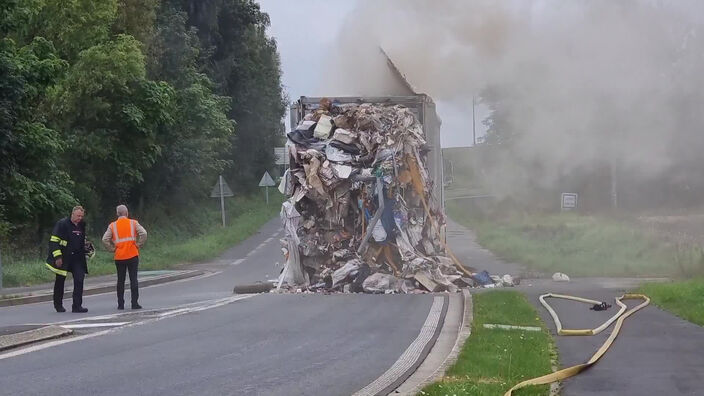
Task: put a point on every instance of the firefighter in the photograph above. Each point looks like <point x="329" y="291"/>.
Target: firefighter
<point x="125" y="236"/>
<point x="67" y="253"/>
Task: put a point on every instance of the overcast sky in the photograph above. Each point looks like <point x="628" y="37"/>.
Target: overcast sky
<point x="304" y="29"/>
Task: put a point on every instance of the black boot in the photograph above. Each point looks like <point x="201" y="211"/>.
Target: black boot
<point x="79" y="310"/>
<point x="59" y="308"/>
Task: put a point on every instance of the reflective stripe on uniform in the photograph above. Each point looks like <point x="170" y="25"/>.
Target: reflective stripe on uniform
<point x="60" y="241"/>
<point x="115" y="238"/>
<point x="56" y="253"/>
<point x="56" y="270"/>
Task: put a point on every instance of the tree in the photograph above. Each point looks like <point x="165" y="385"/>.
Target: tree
<point x="31" y="186"/>
<point x="244" y="65"/>
<point x="112" y="116"/>
<point x="193" y="148"/>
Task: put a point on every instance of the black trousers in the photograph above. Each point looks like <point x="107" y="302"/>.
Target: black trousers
<point x="122" y="267"/>
<point x="78" y="277"/>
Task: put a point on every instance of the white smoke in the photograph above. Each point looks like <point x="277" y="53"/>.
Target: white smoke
<point x="589" y="82"/>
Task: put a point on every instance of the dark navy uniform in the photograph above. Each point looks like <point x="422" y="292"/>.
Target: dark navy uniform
<point x="67" y="242"/>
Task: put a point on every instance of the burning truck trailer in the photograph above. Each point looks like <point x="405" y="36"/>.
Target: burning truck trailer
<point x="365" y="198"/>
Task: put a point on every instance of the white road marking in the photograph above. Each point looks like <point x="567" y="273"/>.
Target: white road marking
<point x="510" y="327"/>
<point x="177" y="312"/>
<point x="93" y="325"/>
<point x="238" y="261"/>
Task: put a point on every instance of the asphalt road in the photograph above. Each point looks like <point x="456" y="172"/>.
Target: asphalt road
<point x="191" y="340"/>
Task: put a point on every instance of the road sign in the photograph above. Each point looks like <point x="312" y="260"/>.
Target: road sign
<point x="266" y="181"/>
<point x="569" y="201"/>
<point x="281" y="156"/>
<point x="221" y="190"/>
<point x="217" y="192"/>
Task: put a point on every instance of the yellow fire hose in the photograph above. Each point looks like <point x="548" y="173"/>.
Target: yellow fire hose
<point x="619" y="317"/>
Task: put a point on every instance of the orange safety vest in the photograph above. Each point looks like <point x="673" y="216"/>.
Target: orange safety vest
<point x="124" y="236"/>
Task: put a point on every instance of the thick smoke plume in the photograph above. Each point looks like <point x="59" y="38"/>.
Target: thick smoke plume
<point x="580" y="84"/>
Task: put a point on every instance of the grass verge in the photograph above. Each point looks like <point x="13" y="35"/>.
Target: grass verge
<point x="493" y="360"/>
<point x="594" y="246"/>
<point x="578" y="245"/>
<point x="174" y="240"/>
<point x="685" y="299"/>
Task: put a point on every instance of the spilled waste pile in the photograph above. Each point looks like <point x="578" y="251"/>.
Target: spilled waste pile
<point x="360" y="215"/>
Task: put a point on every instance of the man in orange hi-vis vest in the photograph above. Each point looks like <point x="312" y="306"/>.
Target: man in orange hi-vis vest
<point x="125" y="236"/>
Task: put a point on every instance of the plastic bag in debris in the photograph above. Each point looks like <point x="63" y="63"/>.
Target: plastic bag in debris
<point x="322" y="130"/>
<point x="293" y="271"/>
<point x="379" y="233"/>
<point x="344" y="136"/>
<point x="560" y="277"/>
<point x="286" y="185"/>
<point x="342" y="171"/>
<point x="483" y="278"/>
<point x="507" y="280"/>
<point x="337" y="155"/>
<point x="347" y="270"/>
<point x="380" y="283"/>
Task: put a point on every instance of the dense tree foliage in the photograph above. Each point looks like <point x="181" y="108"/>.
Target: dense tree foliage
<point x="131" y="101"/>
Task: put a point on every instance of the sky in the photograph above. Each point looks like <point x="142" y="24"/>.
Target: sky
<point x="307" y="30"/>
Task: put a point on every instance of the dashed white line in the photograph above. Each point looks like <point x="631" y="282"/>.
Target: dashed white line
<point x="238" y="261"/>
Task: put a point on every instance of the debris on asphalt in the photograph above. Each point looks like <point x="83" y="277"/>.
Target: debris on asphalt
<point x="560" y="277"/>
<point x="361" y="216"/>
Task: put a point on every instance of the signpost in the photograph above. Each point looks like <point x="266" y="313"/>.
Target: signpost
<point x="0" y="271"/>
<point x="569" y="201"/>
<point x="266" y="182"/>
<point x="222" y="190"/>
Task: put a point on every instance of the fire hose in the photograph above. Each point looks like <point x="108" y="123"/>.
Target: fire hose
<point x="619" y="318"/>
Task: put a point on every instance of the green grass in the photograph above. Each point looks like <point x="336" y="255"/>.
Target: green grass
<point x="492" y="361"/>
<point x="579" y="245"/>
<point x="174" y="239"/>
<point x="685" y="299"/>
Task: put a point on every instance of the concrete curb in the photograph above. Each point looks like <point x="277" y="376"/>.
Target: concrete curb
<point x="464" y="333"/>
<point x="420" y="379"/>
<point x="414" y="355"/>
<point x="31" y="336"/>
<point x="100" y="288"/>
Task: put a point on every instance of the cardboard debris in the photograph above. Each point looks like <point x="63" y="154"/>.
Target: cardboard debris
<point x="360" y="211"/>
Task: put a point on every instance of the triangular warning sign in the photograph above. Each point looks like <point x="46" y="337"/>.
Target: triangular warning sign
<point x="226" y="191"/>
<point x="266" y="181"/>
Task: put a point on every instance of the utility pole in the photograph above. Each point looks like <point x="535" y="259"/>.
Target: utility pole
<point x="0" y="270"/>
<point x="474" y="124"/>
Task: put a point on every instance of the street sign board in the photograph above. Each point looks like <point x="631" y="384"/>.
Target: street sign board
<point x="569" y="201"/>
<point x="226" y="191"/>
<point x="266" y="181"/>
<point x="281" y="156"/>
